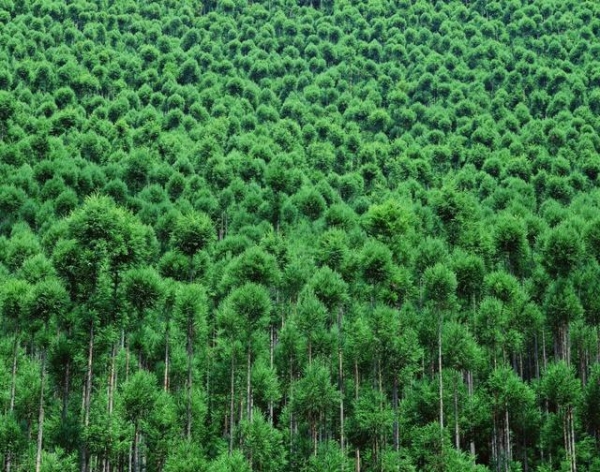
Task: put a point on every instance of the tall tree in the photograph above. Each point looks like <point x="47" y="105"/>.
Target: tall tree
<point x="191" y="308"/>
<point x="440" y="289"/>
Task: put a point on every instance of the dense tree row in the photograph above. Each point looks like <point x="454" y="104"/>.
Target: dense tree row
<point x="313" y="236"/>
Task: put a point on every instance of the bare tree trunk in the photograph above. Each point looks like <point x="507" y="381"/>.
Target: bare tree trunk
<point x="470" y="390"/>
<point x="342" y="417"/>
<point x="166" y="376"/>
<point x="537" y="356"/>
<point x="356" y="379"/>
<point x="495" y="459"/>
<point x="598" y="342"/>
<point x="13" y="380"/>
<point x="395" y="406"/>
<point x="249" y="384"/>
<point x="40" y="435"/>
<point x="112" y="385"/>
<point x="441" y="380"/>
<point x="569" y="435"/>
<point x="136" y="452"/>
<point x="13" y="390"/>
<point x="508" y="441"/>
<point x="544" y="355"/>
<point x="573" y="452"/>
<point x="456" y="426"/>
<point x="313" y="432"/>
<point x="190" y="379"/>
<point x="231" y="402"/>
<point x="130" y="459"/>
<point x="271" y="349"/>
<point x="85" y="459"/>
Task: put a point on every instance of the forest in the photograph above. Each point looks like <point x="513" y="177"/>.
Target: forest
<point x="306" y="236"/>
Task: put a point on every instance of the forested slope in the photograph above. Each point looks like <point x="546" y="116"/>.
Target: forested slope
<point x="330" y="236"/>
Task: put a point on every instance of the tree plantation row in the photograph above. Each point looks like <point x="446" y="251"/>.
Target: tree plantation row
<point x="299" y="236"/>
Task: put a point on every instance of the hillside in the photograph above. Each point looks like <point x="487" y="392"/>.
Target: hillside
<point x="299" y="236"/>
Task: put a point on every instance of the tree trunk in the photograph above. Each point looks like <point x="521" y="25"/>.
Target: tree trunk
<point x="342" y="417"/>
<point x="190" y="379"/>
<point x="395" y="406"/>
<point x="85" y="460"/>
<point x="166" y="376"/>
<point x="356" y="379"/>
<point x="13" y="390"/>
<point x="569" y="435"/>
<point x="470" y="390"/>
<point x="508" y="440"/>
<point x="441" y="381"/>
<point x="313" y="433"/>
<point x="271" y="349"/>
<point x="456" y="426"/>
<point x="112" y="379"/>
<point x="537" y="356"/>
<point x="231" y="402"/>
<point x="136" y="452"/>
<point x="495" y="460"/>
<point x="544" y="354"/>
<point x="249" y="384"/>
<point x="65" y="394"/>
<point x="13" y="379"/>
<point x="40" y="435"/>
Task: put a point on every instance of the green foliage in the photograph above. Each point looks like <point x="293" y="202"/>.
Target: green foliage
<point x="139" y="395"/>
<point x="262" y="444"/>
<point x="192" y="233"/>
<point x="277" y="235"/>
<point x="440" y="285"/>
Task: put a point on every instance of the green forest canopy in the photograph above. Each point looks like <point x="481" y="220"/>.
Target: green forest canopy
<point x="309" y="236"/>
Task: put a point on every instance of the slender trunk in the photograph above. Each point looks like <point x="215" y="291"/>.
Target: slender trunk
<point x="470" y="390"/>
<point x="456" y="426"/>
<point x="356" y="379"/>
<point x="142" y="453"/>
<point x="537" y="356"/>
<point x="598" y="342"/>
<point x="130" y="459"/>
<point x="395" y="406"/>
<point x="271" y="349"/>
<point x="136" y="452"/>
<point x="292" y="417"/>
<point x="65" y="395"/>
<point x="231" y="402"/>
<point x="342" y="416"/>
<point x="85" y="459"/>
<point x="566" y="439"/>
<point x="249" y="384"/>
<point x="495" y="460"/>
<point x="190" y="379"/>
<point x="544" y="355"/>
<point x="441" y="380"/>
<point x="166" y="376"/>
<point x="379" y="378"/>
<point x="508" y="440"/>
<point x="313" y="432"/>
<point x="127" y="358"/>
<point x="569" y="434"/>
<point x="112" y="379"/>
<point x="13" y="379"/>
<point x="13" y="388"/>
<point x="40" y="435"/>
<point x="112" y="385"/>
<point x="573" y="452"/>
